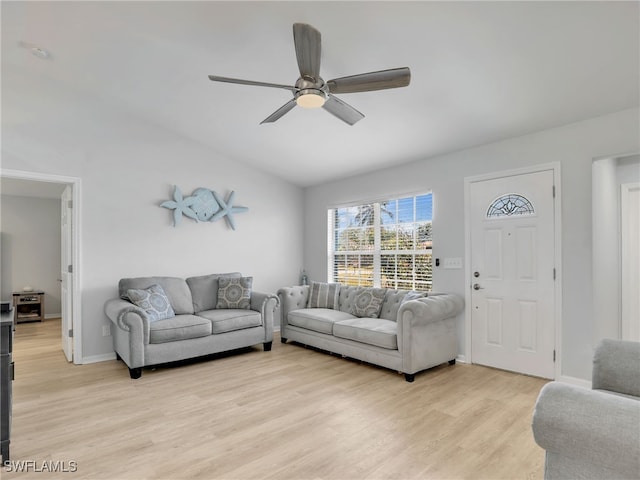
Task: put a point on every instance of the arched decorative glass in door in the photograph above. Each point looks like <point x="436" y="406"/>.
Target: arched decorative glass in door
<point x="509" y="205"/>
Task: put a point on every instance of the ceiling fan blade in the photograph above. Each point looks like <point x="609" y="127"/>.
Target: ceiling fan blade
<point x="280" y="112"/>
<point x="367" y="82"/>
<point x="215" y="78"/>
<point x="308" y="45"/>
<point x="342" y="110"/>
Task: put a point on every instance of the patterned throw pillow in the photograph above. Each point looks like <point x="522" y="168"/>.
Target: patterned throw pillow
<point x="152" y="300"/>
<point x="368" y="302"/>
<point x="234" y="292"/>
<point x="323" y="295"/>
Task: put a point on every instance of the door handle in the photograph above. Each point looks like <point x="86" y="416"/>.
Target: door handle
<point x="476" y="286"/>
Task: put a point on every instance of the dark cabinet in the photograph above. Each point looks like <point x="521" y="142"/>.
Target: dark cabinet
<point x="6" y="379"/>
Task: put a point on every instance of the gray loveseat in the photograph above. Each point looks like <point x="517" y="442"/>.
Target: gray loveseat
<point x="404" y="331"/>
<point x="195" y="326"/>
<point x="593" y="433"/>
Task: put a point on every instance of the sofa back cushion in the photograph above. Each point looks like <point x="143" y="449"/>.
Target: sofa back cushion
<point x="391" y="304"/>
<point x="204" y="290"/>
<point x="392" y="301"/>
<point x="176" y="289"/>
<point x="346" y="298"/>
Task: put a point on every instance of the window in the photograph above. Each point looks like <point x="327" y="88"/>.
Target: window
<point x="382" y="244"/>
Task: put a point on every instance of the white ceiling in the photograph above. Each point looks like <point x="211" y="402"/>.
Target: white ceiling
<point x="481" y="72"/>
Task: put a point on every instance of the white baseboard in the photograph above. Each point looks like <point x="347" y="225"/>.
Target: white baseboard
<point x="578" y="382"/>
<point x="98" y="358"/>
<point x="461" y="359"/>
<point x="52" y="315"/>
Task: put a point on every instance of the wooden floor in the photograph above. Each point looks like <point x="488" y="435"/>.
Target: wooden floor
<point x="292" y="413"/>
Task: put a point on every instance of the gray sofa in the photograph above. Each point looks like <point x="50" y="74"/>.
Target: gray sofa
<point x="411" y="332"/>
<point x="594" y="433"/>
<point x="197" y="327"/>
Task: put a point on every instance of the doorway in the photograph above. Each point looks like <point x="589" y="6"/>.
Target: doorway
<point x="616" y="266"/>
<point x="70" y="240"/>
<point x="630" y="260"/>
<point x="513" y="270"/>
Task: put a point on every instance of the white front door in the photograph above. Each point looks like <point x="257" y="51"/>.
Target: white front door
<point x="512" y="273"/>
<point x="66" y="269"/>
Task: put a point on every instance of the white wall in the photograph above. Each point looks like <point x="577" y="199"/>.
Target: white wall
<point x="31" y="247"/>
<point x="574" y="146"/>
<point x="127" y="168"/>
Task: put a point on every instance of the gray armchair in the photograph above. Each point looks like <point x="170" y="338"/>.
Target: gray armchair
<point x="594" y="433"/>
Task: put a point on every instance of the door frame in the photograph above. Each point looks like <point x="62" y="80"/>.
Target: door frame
<point x="76" y="289"/>
<point x="557" y="242"/>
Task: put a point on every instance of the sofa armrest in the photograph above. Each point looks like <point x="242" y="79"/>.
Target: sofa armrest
<point x="427" y="331"/>
<point x="128" y="317"/>
<point x="432" y="308"/>
<point x="616" y="367"/>
<point x="588" y="426"/>
<point x="260" y="301"/>
<point x="292" y="298"/>
<point x="266" y="304"/>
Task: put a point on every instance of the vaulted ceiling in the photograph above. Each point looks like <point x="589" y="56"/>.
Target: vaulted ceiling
<point x="481" y="72"/>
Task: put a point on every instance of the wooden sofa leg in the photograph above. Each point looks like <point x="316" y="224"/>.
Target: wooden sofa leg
<point x="283" y="340"/>
<point x="267" y="346"/>
<point x="409" y="377"/>
<point x="135" y="373"/>
<point x="452" y="362"/>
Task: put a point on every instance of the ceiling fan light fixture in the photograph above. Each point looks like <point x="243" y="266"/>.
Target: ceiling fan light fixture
<point x="310" y="99"/>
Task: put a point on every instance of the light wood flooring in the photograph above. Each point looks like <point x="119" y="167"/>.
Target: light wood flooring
<point x="292" y="413"/>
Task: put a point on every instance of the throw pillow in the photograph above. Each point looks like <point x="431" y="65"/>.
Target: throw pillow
<point x="234" y="292"/>
<point x="152" y="300"/>
<point x="323" y="295"/>
<point x="368" y="302"/>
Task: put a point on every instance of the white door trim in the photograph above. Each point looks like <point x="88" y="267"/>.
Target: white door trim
<point x="75" y="183"/>
<point x="555" y="167"/>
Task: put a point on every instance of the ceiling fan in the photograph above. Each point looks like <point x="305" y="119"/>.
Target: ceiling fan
<point x="311" y="91"/>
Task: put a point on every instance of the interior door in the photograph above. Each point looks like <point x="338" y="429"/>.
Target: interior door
<point x="66" y="273"/>
<point x="630" y="260"/>
<point x="512" y="273"/>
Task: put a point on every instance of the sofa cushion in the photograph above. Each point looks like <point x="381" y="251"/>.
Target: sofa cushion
<point x="234" y="292"/>
<point x="204" y="290"/>
<point x="317" y="319"/>
<point x="373" y="331"/>
<point x="368" y="302"/>
<point x="229" y="320"/>
<point x="180" y="327"/>
<point x="347" y="297"/>
<point x="176" y="289"/>
<point x="323" y="295"/>
<point x="152" y="300"/>
<point x="391" y="304"/>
